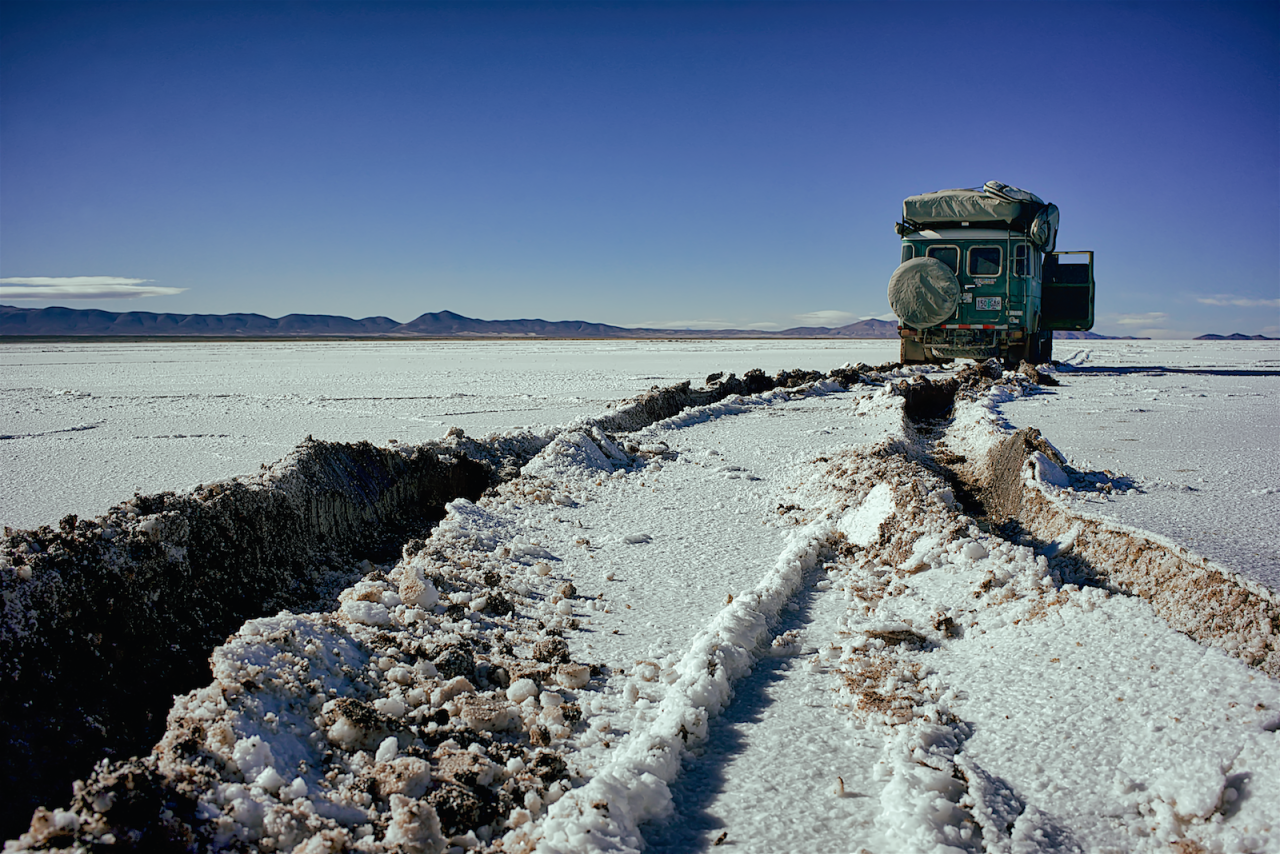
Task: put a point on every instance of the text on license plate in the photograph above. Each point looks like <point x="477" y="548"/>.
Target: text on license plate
<point x="988" y="303"/>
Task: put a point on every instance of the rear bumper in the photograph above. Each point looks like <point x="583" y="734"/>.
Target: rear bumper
<point x="965" y="341"/>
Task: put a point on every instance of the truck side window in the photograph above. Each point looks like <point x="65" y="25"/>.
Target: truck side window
<point x="908" y="252"/>
<point x="1020" y="259"/>
<point x="949" y="255"/>
<point x="984" y="261"/>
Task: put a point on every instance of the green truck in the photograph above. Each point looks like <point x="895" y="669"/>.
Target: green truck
<point x="981" y="277"/>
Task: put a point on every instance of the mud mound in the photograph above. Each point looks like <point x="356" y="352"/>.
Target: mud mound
<point x="1209" y="603"/>
<point x="925" y="399"/>
<point x="660" y="403"/>
<point x="1212" y="605"/>
<point x="105" y="619"/>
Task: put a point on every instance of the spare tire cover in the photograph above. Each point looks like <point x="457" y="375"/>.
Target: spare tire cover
<point x="923" y="292"/>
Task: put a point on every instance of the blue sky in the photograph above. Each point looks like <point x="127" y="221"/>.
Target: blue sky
<point x="642" y="164"/>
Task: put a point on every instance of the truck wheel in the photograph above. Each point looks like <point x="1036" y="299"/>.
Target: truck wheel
<point x="912" y="353"/>
<point x="1024" y="352"/>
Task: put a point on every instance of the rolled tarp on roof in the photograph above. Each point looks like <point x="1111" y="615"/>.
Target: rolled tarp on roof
<point x="993" y="203"/>
<point x="960" y="206"/>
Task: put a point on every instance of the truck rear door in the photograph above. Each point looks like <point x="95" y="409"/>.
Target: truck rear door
<point x="1067" y="292"/>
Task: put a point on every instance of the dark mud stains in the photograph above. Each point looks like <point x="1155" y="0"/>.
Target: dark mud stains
<point x="927" y="404"/>
<point x="925" y="399"/>
<point x="105" y="620"/>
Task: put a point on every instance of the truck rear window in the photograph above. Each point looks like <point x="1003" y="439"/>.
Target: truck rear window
<point x="984" y="261"/>
<point x="949" y="255"/>
<point x="1020" y="259"/>
<point x="908" y="252"/>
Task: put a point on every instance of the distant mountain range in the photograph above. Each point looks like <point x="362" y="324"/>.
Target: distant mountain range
<point x="1094" y="336"/>
<point x="63" y="322"/>
<point x="1234" y="336"/>
<point x="58" y="322"/>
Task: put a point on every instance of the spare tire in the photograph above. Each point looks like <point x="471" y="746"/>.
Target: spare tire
<point x="923" y="292"/>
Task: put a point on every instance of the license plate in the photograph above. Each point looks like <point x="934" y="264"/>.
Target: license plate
<point x="988" y="303"/>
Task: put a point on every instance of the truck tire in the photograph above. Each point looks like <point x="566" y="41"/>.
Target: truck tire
<point x="1046" y="348"/>
<point x="1027" y="350"/>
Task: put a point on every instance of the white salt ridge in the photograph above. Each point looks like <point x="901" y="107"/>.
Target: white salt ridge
<point x="1084" y="722"/>
<point x="693" y="684"/>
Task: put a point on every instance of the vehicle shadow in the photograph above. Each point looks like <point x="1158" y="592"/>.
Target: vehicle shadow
<point x="1067" y="371"/>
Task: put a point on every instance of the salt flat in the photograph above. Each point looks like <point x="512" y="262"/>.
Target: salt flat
<point x="798" y="641"/>
<point x="84" y="426"/>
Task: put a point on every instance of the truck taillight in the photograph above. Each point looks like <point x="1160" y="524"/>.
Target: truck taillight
<point x="906" y="332"/>
<point x="1015" y="335"/>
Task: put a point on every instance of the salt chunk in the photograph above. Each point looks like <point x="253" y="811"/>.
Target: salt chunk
<point x="417" y="590"/>
<point x="248" y="812"/>
<point x="252" y="755"/>
<point x="974" y="550"/>
<point x="296" y="789"/>
<point x="1047" y="471"/>
<point x="456" y="686"/>
<point x="414" y="826"/>
<point x="521" y="690"/>
<point x="269" y="780"/>
<point x="647" y="671"/>
<point x="388" y="749"/>
<point x="367" y="613"/>
<point x="392" y="707"/>
<point x="573" y="676"/>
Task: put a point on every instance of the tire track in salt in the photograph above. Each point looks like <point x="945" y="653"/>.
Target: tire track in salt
<point x="633" y="786"/>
